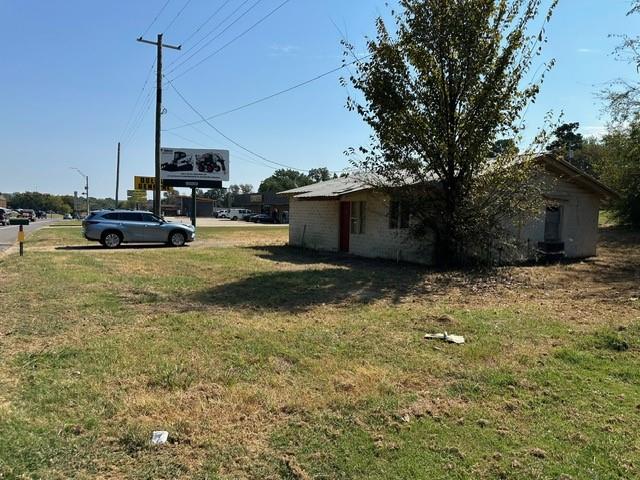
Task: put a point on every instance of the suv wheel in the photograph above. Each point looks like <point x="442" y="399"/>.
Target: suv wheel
<point x="177" y="239"/>
<point x="111" y="239"/>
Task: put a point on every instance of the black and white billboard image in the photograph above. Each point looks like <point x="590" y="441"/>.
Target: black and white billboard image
<point x="187" y="166"/>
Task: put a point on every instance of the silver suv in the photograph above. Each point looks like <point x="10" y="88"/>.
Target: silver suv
<point x="113" y="227"/>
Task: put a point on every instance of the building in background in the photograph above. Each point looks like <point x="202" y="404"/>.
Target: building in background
<point x="3" y="202"/>
<point x="269" y="203"/>
<point x="180" y="206"/>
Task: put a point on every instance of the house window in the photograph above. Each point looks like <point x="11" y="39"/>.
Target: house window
<point x="398" y="215"/>
<point x="552" y="222"/>
<point x="358" y="217"/>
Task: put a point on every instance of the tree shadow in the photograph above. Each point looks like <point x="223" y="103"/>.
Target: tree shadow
<point x="332" y="279"/>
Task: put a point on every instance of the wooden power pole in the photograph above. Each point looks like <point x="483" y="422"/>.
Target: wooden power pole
<point x="118" y="175"/>
<point x="159" y="45"/>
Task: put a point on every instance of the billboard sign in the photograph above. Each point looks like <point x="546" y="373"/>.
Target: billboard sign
<point x="188" y="167"/>
<point x="149" y="183"/>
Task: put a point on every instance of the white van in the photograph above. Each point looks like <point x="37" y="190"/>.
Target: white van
<point x="234" y="213"/>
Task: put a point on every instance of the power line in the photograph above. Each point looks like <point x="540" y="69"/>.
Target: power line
<point x="235" y="154"/>
<point x="220" y="33"/>
<point x="146" y="106"/>
<point x="176" y="17"/>
<point x="237" y="37"/>
<point x="262" y="157"/>
<point x="273" y="95"/>
<point x="211" y="17"/>
<point x="156" y="18"/>
<point x="256" y="162"/>
<point x="135" y="105"/>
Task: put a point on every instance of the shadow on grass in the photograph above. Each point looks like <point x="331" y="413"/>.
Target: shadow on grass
<point x="333" y="279"/>
<point x="128" y="246"/>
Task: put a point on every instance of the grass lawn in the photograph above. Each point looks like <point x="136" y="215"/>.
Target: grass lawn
<point x="264" y="361"/>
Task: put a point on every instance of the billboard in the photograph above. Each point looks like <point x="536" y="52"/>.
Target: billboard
<point x="189" y="167"/>
<point x="149" y="183"/>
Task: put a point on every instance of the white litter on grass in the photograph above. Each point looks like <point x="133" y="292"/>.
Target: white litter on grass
<point x="159" y="437"/>
<point x="459" y="339"/>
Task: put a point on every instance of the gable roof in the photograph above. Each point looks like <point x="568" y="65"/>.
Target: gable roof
<point x="333" y="188"/>
<point x="572" y="173"/>
<point x="338" y="187"/>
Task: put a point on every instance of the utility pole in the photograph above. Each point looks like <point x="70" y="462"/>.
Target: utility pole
<point x="118" y="175"/>
<point x="86" y="185"/>
<point x="159" y="45"/>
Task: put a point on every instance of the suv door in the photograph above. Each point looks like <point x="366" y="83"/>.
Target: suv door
<point x="153" y="229"/>
<point x="132" y="227"/>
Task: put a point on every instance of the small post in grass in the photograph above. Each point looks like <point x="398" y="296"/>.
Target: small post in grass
<point x="21" y="239"/>
<point x="193" y="206"/>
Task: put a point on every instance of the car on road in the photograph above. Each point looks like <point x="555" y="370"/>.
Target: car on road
<point x="112" y="228"/>
<point x="28" y="214"/>
<point x="234" y="213"/>
<point x="263" y="218"/>
<point x="4" y="217"/>
<point x="67" y="217"/>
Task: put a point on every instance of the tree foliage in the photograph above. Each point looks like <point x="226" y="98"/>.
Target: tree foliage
<point x="284" y="179"/>
<point x="568" y="144"/>
<point x="616" y="162"/>
<point x="319" y="174"/>
<point x="623" y="95"/>
<point x="437" y="93"/>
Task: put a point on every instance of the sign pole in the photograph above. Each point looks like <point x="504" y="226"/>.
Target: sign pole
<point x="193" y="206"/>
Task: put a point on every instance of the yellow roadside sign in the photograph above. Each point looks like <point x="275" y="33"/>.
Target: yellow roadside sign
<point x="21" y="235"/>
<point x="148" y="183"/>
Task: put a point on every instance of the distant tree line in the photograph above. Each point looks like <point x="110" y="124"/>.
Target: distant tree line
<point x="53" y="203"/>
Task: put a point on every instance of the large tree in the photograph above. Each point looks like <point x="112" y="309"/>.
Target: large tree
<point x="568" y="144"/>
<point x="437" y="93"/>
<point x="284" y="180"/>
<point x="319" y="174"/>
<point x="616" y="162"/>
<point x="623" y="95"/>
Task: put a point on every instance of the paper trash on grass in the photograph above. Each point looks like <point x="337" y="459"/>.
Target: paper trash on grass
<point x="159" y="437"/>
<point x="446" y="337"/>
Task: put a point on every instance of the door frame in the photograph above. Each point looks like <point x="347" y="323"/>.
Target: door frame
<point x="344" y="226"/>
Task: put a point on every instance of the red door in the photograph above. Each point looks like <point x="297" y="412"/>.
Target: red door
<point x="345" y="221"/>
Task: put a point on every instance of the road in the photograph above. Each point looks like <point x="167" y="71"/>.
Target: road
<point x="9" y="234"/>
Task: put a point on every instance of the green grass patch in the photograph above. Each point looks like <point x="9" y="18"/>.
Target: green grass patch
<point x="265" y="362"/>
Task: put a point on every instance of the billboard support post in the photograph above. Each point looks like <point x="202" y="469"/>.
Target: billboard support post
<point x="194" y="204"/>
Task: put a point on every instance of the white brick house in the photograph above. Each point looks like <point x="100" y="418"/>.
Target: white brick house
<point x="348" y="215"/>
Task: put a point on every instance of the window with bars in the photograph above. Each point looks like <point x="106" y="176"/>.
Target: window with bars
<point x="358" y="217"/>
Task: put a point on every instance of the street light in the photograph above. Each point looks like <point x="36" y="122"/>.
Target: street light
<point x="86" y="186"/>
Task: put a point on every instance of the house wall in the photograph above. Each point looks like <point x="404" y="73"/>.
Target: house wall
<point x="578" y="224"/>
<point x="379" y="241"/>
<point x="314" y="224"/>
<point x="321" y="218"/>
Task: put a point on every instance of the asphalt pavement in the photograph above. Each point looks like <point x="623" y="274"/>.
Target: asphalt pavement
<point x="9" y="234"/>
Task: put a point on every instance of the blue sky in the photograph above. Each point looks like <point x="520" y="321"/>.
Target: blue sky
<point x="72" y="72"/>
